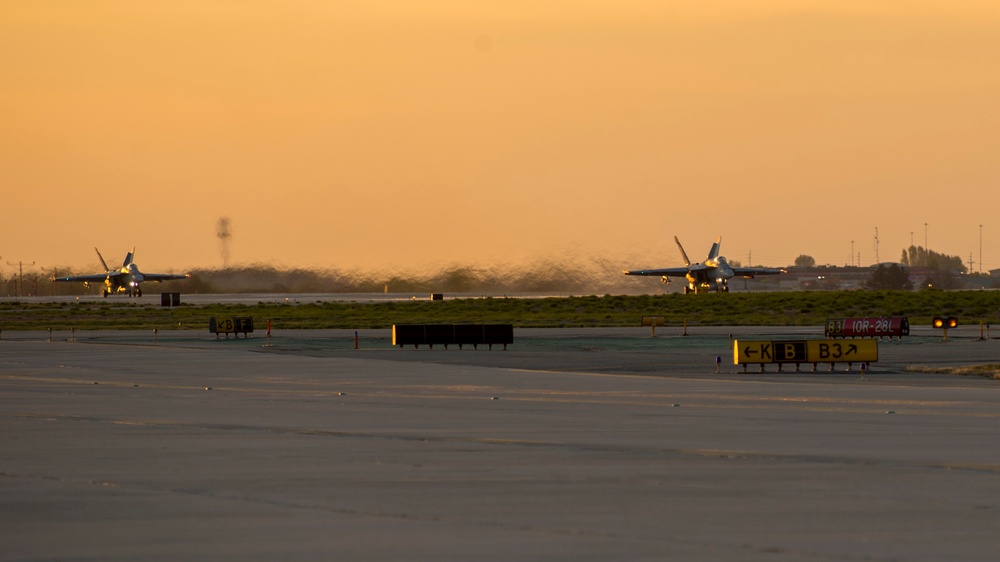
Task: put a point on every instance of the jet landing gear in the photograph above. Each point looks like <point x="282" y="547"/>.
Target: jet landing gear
<point x="705" y="288"/>
<point x="696" y="289"/>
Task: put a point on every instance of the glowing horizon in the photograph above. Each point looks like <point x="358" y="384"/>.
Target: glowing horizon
<point x="395" y="135"/>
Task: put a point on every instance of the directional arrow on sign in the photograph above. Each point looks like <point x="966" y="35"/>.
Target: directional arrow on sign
<point x="753" y="352"/>
<point x="851" y="349"/>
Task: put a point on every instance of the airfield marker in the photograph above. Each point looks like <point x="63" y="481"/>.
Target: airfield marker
<point x="268" y="344"/>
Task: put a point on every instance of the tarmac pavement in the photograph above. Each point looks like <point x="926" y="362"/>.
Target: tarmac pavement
<point x="571" y="445"/>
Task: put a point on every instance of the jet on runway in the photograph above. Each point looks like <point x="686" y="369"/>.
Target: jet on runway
<point x="714" y="273"/>
<point x="125" y="279"/>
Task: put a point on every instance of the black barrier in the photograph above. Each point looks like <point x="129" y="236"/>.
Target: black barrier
<point x="439" y="333"/>
<point x="453" y="334"/>
<point x="235" y="326"/>
<point x="170" y="299"/>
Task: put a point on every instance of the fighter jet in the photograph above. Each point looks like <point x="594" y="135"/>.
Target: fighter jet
<point x="714" y="273"/>
<point x="125" y="279"/>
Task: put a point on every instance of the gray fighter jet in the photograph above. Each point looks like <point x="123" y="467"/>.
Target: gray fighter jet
<point x="125" y="279"/>
<point x="712" y="274"/>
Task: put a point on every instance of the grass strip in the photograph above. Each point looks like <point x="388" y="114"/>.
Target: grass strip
<point x="732" y="309"/>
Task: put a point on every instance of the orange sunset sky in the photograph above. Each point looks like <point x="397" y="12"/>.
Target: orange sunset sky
<point x="377" y="134"/>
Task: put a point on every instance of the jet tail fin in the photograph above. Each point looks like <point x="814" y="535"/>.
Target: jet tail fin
<point x="129" y="257"/>
<point x="100" y="257"/>
<point x="714" y="252"/>
<point x="684" y="255"/>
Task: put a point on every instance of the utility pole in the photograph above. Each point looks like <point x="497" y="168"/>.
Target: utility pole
<point x="980" y="249"/>
<point x="19" y="286"/>
<point x="926" y="249"/>
<point x="876" y="246"/>
<point x="852" y="253"/>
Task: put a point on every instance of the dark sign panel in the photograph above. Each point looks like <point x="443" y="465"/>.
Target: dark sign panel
<point x="237" y="325"/>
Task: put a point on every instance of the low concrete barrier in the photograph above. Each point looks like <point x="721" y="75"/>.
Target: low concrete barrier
<point x="452" y="334"/>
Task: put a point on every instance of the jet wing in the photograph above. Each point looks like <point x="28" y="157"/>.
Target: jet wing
<point x="665" y="272"/>
<point x="97" y="277"/>
<point x="162" y="277"/>
<point x="752" y="272"/>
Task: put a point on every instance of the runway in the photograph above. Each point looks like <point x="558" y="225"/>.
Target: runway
<point x="572" y="445"/>
<point x="153" y="298"/>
